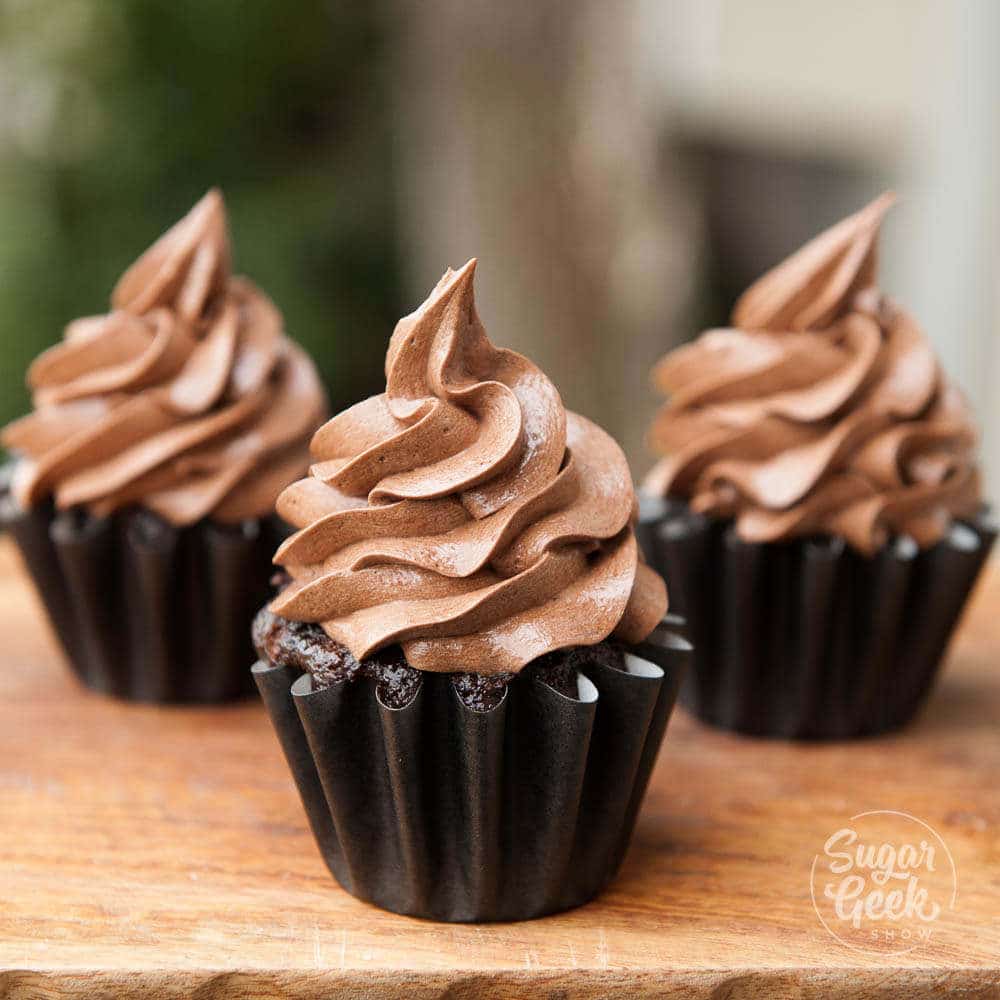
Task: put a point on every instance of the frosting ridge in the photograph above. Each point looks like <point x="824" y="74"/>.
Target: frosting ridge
<point x="823" y="410"/>
<point x="463" y="513"/>
<point x="186" y="398"/>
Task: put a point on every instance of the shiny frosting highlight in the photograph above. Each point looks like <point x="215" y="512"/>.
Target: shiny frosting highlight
<point x="464" y="513"/>
<point x="823" y="411"/>
<point x="186" y="398"/>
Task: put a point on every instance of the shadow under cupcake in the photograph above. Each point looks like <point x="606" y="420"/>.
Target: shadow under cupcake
<point x="467" y="665"/>
<point x="142" y="490"/>
<point x="818" y="509"/>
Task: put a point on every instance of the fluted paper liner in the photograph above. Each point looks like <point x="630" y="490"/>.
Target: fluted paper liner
<point x="151" y="615"/>
<point x="436" y="810"/>
<point x="809" y="639"/>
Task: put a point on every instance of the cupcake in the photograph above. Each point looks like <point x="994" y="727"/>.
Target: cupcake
<point x="467" y="664"/>
<point x="818" y="506"/>
<point x="142" y="488"/>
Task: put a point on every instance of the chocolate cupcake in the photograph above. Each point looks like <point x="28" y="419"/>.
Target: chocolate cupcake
<point x="142" y="490"/>
<point x="818" y="506"/>
<point x="467" y="665"/>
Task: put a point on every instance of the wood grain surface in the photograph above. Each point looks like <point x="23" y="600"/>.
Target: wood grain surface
<point x="162" y="852"/>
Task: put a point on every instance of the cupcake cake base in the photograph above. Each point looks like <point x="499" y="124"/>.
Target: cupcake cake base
<point x="808" y="639"/>
<point x="143" y="610"/>
<point x="516" y="808"/>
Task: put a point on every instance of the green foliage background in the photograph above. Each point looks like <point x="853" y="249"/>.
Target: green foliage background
<point x="117" y="115"/>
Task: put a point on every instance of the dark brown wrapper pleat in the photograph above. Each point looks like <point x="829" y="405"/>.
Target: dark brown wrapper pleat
<point x="438" y="811"/>
<point x="145" y="611"/>
<point x="808" y="639"/>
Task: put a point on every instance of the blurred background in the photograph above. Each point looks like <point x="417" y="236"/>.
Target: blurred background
<point x="622" y="170"/>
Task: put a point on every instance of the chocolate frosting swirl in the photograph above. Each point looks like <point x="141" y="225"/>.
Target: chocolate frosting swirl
<point x="822" y="411"/>
<point x="464" y="513"/>
<point x="186" y="398"/>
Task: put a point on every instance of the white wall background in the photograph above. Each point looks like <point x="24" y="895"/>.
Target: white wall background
<point x="907" y="89"/>
<point x="542" y="137"/>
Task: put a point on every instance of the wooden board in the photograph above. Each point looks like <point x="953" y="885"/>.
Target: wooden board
<point x="163" y="852"/>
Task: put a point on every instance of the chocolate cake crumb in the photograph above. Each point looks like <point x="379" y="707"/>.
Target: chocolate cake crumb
<point x="398" y="682"/>
<point x="555" y="669"/>
<point x="608" y="654"/>
<point x="305" y="646"/>
<point x="481" y="692"/>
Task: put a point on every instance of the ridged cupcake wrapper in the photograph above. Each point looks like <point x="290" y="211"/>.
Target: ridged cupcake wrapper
<point x="808" y="639"/>
<point x="438" y="811"/>
<point x="159" y="616"/>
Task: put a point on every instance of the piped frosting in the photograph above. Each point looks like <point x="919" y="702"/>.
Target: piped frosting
<point x="822" y="411"/>
<point x="464" y="513"/>
<point x="186" y="398"/>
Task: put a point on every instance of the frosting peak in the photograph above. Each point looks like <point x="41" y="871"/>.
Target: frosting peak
<point x="818" y="283"/>
<point x="186" y="398"/>
<point x="822" y="411"/>
<point x="464" y="513"/>
<point x="185" y="268"/>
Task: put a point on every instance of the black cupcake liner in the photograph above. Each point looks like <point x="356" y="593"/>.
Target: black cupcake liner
<point x="808" y="639"/>
<point x="143" y="610"/>
<point x="439" y="811"/>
